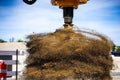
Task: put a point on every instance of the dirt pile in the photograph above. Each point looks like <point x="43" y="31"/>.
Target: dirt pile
<point x="68" y="54"/>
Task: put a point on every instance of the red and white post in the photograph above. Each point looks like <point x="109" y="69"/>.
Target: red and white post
<point x="3" y="70"/>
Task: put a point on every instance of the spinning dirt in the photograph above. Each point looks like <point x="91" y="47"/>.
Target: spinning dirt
<point x="69" y="53"/>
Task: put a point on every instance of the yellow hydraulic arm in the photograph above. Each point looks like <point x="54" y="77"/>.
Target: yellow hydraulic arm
<point x="67" y="5"/>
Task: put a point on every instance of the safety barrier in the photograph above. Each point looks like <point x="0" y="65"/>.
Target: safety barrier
<point x="3" y="69"/>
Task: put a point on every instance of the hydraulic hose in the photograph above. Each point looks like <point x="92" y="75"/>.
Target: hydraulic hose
<point x="30" y="2"/>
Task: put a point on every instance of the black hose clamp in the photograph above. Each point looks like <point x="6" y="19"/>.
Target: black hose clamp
<point x="30" y="2"/>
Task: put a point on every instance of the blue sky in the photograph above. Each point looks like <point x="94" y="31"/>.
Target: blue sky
<point x="18" y="19"/>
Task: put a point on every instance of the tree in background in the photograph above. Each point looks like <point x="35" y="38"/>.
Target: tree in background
<point x="2" y="41"/>
<point x="118" y="48"/>
<point x="20" y="40"/>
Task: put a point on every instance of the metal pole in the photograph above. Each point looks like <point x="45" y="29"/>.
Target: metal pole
<point x="17" y="64"/>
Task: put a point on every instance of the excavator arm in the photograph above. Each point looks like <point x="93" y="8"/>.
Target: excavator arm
<point x="67" y="5"/>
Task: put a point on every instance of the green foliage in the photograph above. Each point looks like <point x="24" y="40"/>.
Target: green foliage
<point x="2" y="41"/>
<point x="118" y="48"/>
<point x="20" y="40"/>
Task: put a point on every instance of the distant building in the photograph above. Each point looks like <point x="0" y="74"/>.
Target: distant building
<point x="13" y="46"/>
